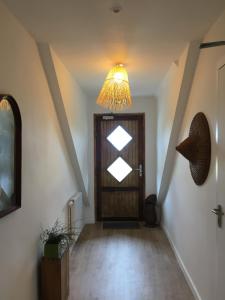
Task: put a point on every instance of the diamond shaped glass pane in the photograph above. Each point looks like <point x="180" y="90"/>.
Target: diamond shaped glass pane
<point x="119" y="138"/>
<point x="119" y="169"/>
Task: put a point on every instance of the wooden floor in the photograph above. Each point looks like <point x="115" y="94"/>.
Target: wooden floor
<point x="135" y="264"/>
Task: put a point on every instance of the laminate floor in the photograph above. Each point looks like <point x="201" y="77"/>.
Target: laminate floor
<point x="134" y="264"/>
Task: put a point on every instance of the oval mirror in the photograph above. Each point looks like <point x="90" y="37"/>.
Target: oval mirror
<point x="10" y="155"/>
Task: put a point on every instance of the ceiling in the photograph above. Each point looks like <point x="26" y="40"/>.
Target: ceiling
<point x="147" y="35"/>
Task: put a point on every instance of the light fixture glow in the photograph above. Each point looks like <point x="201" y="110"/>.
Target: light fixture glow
<point x="4" y="105"/>
<point x="115" y="93"/>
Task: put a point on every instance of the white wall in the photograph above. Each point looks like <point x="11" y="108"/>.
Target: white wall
<point x="167" y="97"/>
<point x="47" y="178"/>
<point x="186" y="212"/>
<point x="140" y="105"/>
<point x="75" y="104"/>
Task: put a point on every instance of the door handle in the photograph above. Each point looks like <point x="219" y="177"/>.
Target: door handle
<point x="140" y="169"/>
<point x="219" y="212"/>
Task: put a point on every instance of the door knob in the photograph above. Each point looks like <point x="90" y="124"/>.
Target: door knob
<point x="140" y="170"/>
<point x="219" y="212"/>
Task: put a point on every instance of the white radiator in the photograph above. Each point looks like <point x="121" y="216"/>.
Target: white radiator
<point x="76" y="213"/>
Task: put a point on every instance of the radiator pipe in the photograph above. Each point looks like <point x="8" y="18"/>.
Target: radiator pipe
<point x="70" y="204"/>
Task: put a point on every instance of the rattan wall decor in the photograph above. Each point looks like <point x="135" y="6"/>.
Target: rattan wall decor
<point x="197" y="148"/>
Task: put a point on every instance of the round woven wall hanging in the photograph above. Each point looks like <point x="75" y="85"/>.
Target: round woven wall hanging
<point x="197" y="148"/>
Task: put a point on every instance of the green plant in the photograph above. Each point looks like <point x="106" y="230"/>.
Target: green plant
<point x="57" y="234"/>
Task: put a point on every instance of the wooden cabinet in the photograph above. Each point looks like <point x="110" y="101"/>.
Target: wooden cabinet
<point x="55" y="278"/>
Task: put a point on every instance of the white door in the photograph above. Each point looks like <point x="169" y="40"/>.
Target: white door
<point x="220" y="209"/>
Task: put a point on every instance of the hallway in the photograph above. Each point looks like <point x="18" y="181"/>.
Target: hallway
<point x="125" y="264"/>
<point x="97" y="104"/>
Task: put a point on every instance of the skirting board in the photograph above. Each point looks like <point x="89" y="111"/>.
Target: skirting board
<point x="182" y="266"/>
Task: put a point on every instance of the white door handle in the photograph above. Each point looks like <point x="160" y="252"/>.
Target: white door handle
<point x="140" y="169"/>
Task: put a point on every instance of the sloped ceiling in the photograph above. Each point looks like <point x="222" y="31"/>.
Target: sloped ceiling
<point x="147" y="35"/>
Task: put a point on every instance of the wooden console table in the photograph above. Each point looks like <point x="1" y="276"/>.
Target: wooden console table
<point x="55" y="277"/>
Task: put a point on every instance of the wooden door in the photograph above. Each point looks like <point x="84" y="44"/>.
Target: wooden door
<point x="119" y="166"/>
<point x="219" y="210"/>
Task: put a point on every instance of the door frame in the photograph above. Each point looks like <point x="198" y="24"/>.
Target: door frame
<point x="220" y="65"/>
<point x="97" y="159"/>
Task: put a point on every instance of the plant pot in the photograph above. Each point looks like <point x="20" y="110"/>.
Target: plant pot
<point x="53" y="250"/>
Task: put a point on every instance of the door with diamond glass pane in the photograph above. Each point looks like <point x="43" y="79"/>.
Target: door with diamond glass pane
<point x="119" y="166"/>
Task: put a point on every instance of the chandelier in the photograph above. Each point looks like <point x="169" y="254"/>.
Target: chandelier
<point x="115" y="93"/>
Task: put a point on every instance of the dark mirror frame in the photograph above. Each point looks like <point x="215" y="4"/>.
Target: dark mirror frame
<point x="16" y="204"/>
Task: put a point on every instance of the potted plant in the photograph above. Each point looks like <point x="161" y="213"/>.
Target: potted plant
<point x="56" y="240"/>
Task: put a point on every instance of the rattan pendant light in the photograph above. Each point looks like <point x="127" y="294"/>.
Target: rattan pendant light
<point x="115" y="93"/>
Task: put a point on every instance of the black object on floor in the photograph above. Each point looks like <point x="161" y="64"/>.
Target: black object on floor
<point x="150" y="215"/>
<point x="121" y="225"/>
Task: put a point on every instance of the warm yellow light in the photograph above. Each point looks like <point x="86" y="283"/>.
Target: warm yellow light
<point x="118" y="77"/>
<point x="4" y="105"/>
<point x="115" y="93"/>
